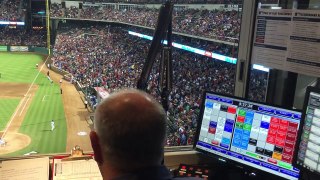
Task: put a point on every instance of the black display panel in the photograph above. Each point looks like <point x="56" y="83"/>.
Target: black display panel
<point x="249" y="133"/>
<point x="307" y="157"/>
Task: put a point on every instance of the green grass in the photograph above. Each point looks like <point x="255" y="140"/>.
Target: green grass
<point x="19" y="68"/>
<point x="7" y="108"/>
<point x="45" y="106"/>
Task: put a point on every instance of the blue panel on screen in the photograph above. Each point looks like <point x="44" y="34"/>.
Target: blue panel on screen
<point x="246" y="133"/>
<point x="249" y="114"/>
<point x="209" y="104"/>
<point x="213" y="124"/>
<point x="225" y="141"/>
<point x="248" y="120"/>
<point x="228" y="128"/>
<point x="236" y="142"/>
<point x="265" y="125"/>
<point x="238" y="131"/>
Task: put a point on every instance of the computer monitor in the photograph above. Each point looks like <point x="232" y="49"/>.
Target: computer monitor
<point x="307" y="157"/>
<point x="248" y="133"/>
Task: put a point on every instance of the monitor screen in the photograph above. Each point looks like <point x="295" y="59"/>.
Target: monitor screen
<point x="308" y="155"/>
<point x="249" y="133"/>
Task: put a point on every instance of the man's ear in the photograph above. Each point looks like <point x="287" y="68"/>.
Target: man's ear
<point x="95" y="144"/>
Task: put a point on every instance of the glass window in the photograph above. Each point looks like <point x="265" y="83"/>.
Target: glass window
<point x="99" y="57"/>
<point x="284" y="85"/>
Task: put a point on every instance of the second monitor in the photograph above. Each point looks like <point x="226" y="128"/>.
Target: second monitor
<point x="308" y="154"/>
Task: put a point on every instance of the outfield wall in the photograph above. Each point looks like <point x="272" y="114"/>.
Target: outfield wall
<point x="38" y="50"/>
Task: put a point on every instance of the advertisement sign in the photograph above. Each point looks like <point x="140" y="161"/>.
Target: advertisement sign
<point x="3" y="48"/>
<point x="102" y="93"/>
<point x="191" y="49"/>
<point x="19" y="48"/>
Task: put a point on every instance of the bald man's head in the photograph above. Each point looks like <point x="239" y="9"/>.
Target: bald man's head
<point x="131" y="127"/>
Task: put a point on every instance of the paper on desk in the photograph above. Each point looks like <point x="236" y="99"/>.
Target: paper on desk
<point x="78" y="169"/>
<point x="26" y="169"/>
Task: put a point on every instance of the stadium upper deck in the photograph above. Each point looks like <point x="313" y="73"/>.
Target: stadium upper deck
<point x="182" y="1"/>
<point x="221" y="25"/>
<point x="10" y="10"/>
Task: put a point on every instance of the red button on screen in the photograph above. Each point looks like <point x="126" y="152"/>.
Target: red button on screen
<point x="232" y="110"/>
<point x="288" y="150"/>
<point x="279" y="142"/>
<point x="212" y="130"/>
<point x="271" y="139"/>
<point x="289" y="144"/>
<point x="274" y="126"/>
<point x="274" y="120"/>
<point x="286" y="158"/>
<point x="292" y="130"/>
<point x="291" y="137"/>
<point x="240" y="119"/>
<point x="281" y="135"/>
<point x="294" y="125"/>
<point x="272" y="132"/>
<point x="273" y="161"/>
<point x="284" y="122"/>
<point x="215" y="142"/>
<point x="283" y="128"/>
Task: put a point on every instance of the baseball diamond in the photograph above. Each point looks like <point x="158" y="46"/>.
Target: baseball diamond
<point x="28" y="103"/>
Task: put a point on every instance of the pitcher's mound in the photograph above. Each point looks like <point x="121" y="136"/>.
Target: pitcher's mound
<point x="14" y="142"/>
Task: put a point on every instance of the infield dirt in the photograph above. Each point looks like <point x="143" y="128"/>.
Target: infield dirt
<point x="14" y="140"/>
<point x="75" y="112"/>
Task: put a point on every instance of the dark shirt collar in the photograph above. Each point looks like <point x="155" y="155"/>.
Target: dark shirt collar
<point x="149" y="173"/>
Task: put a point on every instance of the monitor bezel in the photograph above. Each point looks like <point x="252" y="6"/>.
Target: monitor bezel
<point x="228" y="160"/>
<point x="309" y="90"/>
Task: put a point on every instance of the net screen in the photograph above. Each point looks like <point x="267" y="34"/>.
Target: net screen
<point x="309" y="148"/>
<point x="253" y="134"/>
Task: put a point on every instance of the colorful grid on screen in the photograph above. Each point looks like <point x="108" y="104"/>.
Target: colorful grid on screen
<point x="218" y="123"/>
<point x="250" y="133"/>
<point x="271" y="137"/>
<point x="245" y="131"/>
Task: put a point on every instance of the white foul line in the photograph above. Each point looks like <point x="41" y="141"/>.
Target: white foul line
<point x="37" y="75"/>
<point x="25" y="104"/>
<point x="15" y="113"/>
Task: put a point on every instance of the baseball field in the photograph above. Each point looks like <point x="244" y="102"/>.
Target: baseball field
<point x="28" y="103"/>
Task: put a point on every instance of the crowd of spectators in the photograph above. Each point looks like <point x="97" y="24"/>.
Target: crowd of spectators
<point x="175" y="1"/>
<point x="214" y="24"/>
<point x="9" y="10"/>
<point x="56" y="10"/>
<point x="110" y="57"/>
<point x="72" y="12"/>
<point x="22" y="37"/>
<point x="181" y="1"/>
<point x="258" y="85"/>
